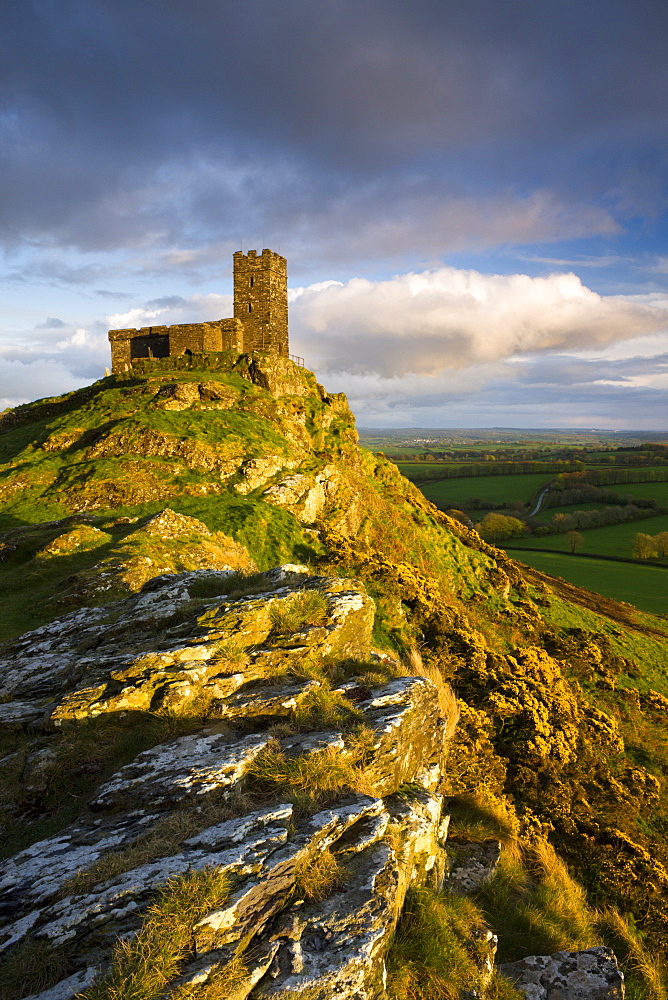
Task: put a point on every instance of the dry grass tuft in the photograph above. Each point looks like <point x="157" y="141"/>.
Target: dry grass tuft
<point x="646" y="973"/>
<point x="560" y="901"/>
<point x="307" y="607"/>
<point x="30" y="968"/>
<point x="227" y="983"/>
<point x="318" y="876"/>
<point x="163" y="840"/>
<point x="317" y="774"/>
<point x="323" y="709"/>
<point x="447" y="700"/>
<point x="144" y="965"/>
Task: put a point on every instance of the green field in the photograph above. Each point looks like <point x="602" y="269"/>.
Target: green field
<point x="614" y="540"/>
<point x="645" y="491"/>
<point x="644" y="585"/>
<point x="494" y="489"/>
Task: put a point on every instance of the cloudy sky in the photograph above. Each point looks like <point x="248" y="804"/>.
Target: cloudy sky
<point x="471" y="196"/>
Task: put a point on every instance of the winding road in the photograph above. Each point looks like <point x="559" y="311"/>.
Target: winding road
<point x="539" y="501"/>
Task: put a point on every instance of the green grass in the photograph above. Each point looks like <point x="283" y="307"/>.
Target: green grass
<point x="431" y="954"/>
<point x="537" y="906"/>
<point x="272" y="536"/>
<point x="493" y="489"/>
<point x="644" y="585"/>
<point x="613" y="540"/>
<point x="87" y="753"/>
<point x="645" y="491"/>
<point x="649" y="652"/>
<point x="28" y="584"/>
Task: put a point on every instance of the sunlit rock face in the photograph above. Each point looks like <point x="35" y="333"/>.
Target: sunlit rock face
<point x="168" y="644"/>
<point x="207" y="801"/>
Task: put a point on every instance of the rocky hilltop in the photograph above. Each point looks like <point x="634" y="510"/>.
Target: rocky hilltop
<point x="274" y="726"/>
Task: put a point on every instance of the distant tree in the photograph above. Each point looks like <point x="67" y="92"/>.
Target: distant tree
<point x="661" y="542"/>
<point x="644" y="547"/>
<point x="563" y="522"/>
<point x="498" y="527"/>
<point x="574" y="540"/>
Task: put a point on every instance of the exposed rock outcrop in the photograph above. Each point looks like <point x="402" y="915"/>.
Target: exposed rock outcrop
<point x="179" y="808"/>
<point x="471" y="864"/>
<point x="166" y="645"/>
<point x="579" y="975"/>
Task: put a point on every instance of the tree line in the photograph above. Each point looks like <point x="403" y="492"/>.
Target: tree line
<point x="431" y="473"/>
<point x="583" y="519"/>
<point x="562" y="494"/>
<point x="611" y="477"/>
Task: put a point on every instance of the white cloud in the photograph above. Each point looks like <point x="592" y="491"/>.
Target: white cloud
<point x="431" y="321"/>
<point x="80" y="338"/>
<point x="24" y="381"/>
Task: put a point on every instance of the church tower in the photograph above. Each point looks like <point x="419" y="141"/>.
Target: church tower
<point x="261" y="300"/>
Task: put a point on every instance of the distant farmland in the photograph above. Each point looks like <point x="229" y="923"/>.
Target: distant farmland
<point x="642" y="584"/>
<point x="613" y="540"/>
<point x="492" y="489"/>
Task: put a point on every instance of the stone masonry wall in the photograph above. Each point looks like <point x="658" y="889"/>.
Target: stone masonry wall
<point x="261" y="300"/>
<point x="172" y="341"/>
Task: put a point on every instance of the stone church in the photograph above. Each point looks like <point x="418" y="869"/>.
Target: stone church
<point x="260" y="321"/>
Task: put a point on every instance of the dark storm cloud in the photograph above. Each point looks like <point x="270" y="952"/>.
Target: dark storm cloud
<point x="147" y="124"/>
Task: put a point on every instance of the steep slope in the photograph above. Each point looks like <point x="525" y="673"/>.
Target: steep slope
<point x="141" y="516"/>
<point x="248" y="445"/>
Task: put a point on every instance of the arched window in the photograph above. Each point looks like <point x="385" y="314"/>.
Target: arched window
<point x="250" y="307"/>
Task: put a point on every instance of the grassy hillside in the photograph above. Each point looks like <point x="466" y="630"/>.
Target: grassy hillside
<point x="563" y="693"/>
